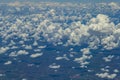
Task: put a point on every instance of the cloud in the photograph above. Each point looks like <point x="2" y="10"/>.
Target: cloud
<point x="22" y="52"/>
<point x="106" y="75"/>
<point x="83" y="60"/>
<point x="8" y="63"/>
<point x="85" y="51"/>
<point x="64" y="57"/>
<point x="28" y="47"/>
<point x="116" y="70"/>
<point x="36" y="55"/>
<point x="3" y="49"/>
<point x="114" y="5"/>
<point x="108" y="58"/>
<point x="54" y="66"/>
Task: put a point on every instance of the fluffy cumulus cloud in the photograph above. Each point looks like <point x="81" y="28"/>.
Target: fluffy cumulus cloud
<point x="108" y="58"/>
<point x="3" y="49"/>
<point x="106" y="75"/>
<point x="36" y="55"/>
<point x="83" y="60"/>
<point x="8" y="63"/>
<point x="54" y="66"/>
<point x="114" y="5"/>
<point x="22" y="52"/>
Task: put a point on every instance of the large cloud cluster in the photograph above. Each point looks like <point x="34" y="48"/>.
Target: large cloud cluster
<point x="97" y="32"/>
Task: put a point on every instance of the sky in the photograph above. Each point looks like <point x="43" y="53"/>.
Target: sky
<point x="62" y="0"/>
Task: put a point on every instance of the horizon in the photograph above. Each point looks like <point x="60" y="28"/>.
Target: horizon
<point x="75" y="1"/>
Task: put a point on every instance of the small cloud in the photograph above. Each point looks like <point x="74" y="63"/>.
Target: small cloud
<point x="8" y="63"/>
<point x="36" y="55"/>
<point x="3" y="49"/>
<point x="106" y="75"/>
<point x="54" y="66"/>
<point x="108" y="58"/>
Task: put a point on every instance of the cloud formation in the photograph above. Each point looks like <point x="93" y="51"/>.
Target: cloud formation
<point x="30" y="30"/>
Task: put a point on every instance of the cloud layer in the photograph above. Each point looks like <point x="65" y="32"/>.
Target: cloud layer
<point x="29" y="30"/>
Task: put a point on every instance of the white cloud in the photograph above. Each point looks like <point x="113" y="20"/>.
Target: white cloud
<point x="116" y="70"/>
<point x="109" y="42"/>
<point x="22" y="52"/>
<point x="28" y="47"/>
<point x="15" y="4"/>
<point x="35" y="43"/>
<point x="14" y="47"/>
<point x="83" y="60"/>
<point x="64" y="57"/>
<point x="106" y="75"/>
<point x="24" y="79"/>
<point x="8" y="63"/>
<point x="41" y="47"/>
<point x="59" y="58"/>
<point x="13" y="54"/>
<point x="85" y="51"/>
<point x="36" y="55"/>
<point x="114" y="5"/>
<point x="108" y="58"/>
<point x="3" y="49"/>
<point x="54" y="66"/>
<point x="105" y="69"/>
<point x="1" y="75"/>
